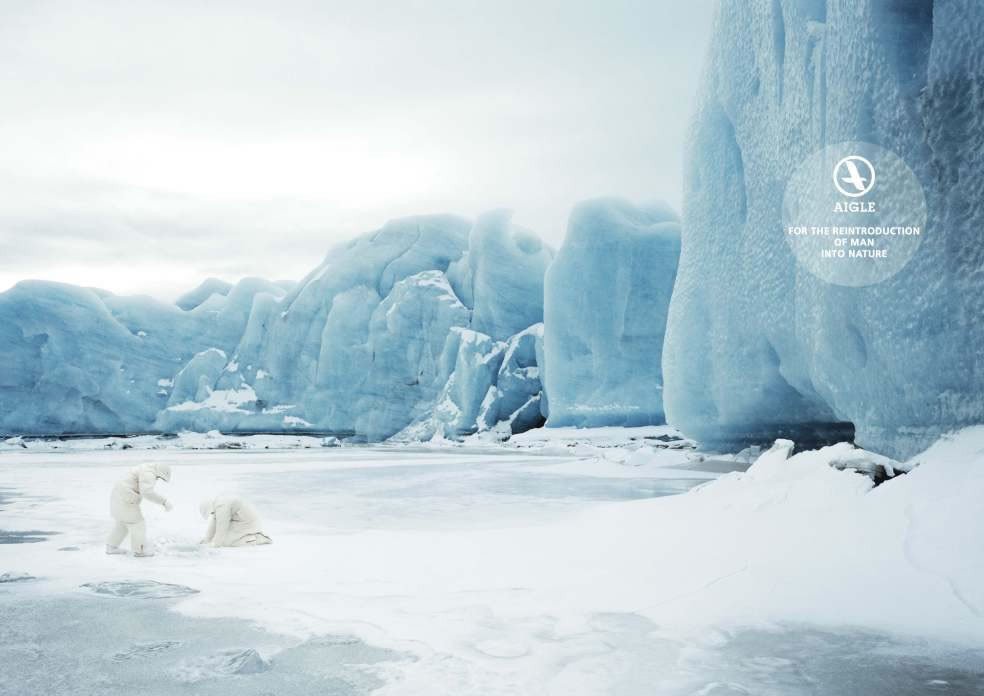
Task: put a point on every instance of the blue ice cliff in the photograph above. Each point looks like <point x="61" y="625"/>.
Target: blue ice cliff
<point x="605" y="306"/>
<point x="370" y="343"/>
<point x="432" y="326"/>
<point x="79" y="360"/>
<point x="756" y="346"/>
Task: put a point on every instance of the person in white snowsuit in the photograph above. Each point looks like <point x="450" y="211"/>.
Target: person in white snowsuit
<point x="232" y="522"/>
<point x="124" y="506"/>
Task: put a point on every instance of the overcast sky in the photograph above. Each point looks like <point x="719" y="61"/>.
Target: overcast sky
<point x="145" y="146"/>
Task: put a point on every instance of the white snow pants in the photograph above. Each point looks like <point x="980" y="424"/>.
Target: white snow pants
<point x="124" y="506"/>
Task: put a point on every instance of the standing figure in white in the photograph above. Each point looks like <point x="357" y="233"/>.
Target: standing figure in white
<point x="124" y="506"/>
<point x="232" y="522"/>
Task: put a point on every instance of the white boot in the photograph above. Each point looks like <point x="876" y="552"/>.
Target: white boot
<point x="138" y="540"/>
<point x="114" y="550"/>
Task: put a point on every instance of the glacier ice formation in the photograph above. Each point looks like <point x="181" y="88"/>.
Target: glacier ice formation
<point x="368" y="344"/>
<point x="605" y="304"/>
<point x="488" y="385"/>
<point x="75" y="360"/>
<point x="208" y="287"/>
<point x="758" y="348"/>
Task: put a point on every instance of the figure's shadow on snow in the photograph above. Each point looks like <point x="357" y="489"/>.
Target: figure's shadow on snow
<point x="84" y="643"/>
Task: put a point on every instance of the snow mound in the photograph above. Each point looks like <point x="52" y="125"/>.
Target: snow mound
<point x="793" y="529"/>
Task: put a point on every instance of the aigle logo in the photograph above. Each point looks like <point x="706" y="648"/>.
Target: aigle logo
<point x="854" y="176"/>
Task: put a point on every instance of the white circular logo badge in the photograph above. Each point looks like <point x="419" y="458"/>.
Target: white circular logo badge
<point x="854" y="176"/>
<point x="853" y="233"/>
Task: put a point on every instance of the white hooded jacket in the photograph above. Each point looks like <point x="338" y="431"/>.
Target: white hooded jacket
<point x="230" y="518"/>
<point x="137" y="485"/>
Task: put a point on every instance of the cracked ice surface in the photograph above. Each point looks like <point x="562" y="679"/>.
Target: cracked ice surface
<point x="140" y="589"/>
<point x="546" y="570"/>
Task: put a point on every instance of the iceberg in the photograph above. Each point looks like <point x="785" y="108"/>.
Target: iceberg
<point x="757" y="347"/>
<point x="506" y="265"/>
<point x="376" y="337"/>
<point x="407" y="332"/>
<point x="315" y="348"/>
<point x="209" y="287"/>
<point x="76" y="360"/>
<point x="606" y="300"/>
<point x="487" y="385"/>
<point x="471" y="363"/>
<point x="195" y="380"/>
<point x="515" y="396"/>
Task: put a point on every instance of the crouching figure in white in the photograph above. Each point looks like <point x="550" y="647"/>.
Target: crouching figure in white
<point x="232" y="522"/>
<point x="124" y="506"/>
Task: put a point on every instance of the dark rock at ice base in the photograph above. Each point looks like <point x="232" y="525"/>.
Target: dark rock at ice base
<point x="664" y="438"/>
<point x="225" y="663"/>
<point x="875" y="466"/>
<point x="142" y="650"/>
<point x="116" y="444"/>
<point x="139" y="589"/>
<point x="231" y="445"/>
<point x="15" y="576"/>
<point x="843" y="456"/>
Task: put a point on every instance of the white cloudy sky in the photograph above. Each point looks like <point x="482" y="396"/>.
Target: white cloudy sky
<point x="144" y="146"/>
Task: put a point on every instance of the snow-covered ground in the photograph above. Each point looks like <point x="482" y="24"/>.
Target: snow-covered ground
<point x="549" y="565"/>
